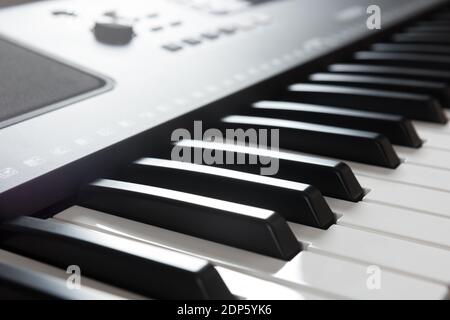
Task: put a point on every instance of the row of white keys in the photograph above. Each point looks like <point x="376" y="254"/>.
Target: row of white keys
<point x="440" y="141"/>
<point x="413" y="198"/>
<point x="109" y="292"/>
<point x="386" y="252"/>
<point x="397" y="222"/>
<point x="436" y="136"/>
<point x="425" y="156"/>
<point x="407" y="173"/>
<point x="426" y="128"/>
<point x="310" y="272"/>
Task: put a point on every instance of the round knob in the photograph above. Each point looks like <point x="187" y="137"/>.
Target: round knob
<point x="113" y="32"/>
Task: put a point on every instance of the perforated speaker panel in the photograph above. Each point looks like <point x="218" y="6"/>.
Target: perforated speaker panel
<point x="31" y="83"/>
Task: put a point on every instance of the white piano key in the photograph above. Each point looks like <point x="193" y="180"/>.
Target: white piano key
<point x="436" y="140"/>
<point x="27" y="263"/>
<point x="247" y="287"/>
<point x="407" y="173"/>
<point x="401" y="223"/>
<point x="395" y="254"/>
<point x="351" y="279"/>
<point x="423" y="128"/>
<point x="309" y="272"/>
<point x="406" y="196"/>
<point x="425" y="157"/>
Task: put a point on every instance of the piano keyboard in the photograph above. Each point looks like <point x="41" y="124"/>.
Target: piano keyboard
<point x="363" y="181"/>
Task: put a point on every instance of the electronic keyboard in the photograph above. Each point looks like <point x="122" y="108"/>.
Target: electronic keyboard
<point x="118" y="179"/>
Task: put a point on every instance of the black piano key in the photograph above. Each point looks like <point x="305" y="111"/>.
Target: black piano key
<point x="438" y="22"/>
<point x="333" y="178"/>
<point x="438" y="90"/>
<point x="23" y="284"/>
<point x="414" y="106"/>
<point x="145" y="269"/>
<point x="355" y="145"/>
<point x="413" y="48"/>
<point x="246" y="227"/>
<point x="397" y="128"/>
<point x="440" y="38"/>
<point x="428" y="28"/>
<point x="419" y="60"/>
<point x="404" y="72"/>
<point x="297" y="202"/>
<point x="444" y="15"/>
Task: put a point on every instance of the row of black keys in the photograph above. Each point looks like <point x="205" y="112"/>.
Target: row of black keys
<point x="342" y="124"/>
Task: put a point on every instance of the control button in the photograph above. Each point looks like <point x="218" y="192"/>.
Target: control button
<point x="228" y="29"/>
<point x="156" y="28"/>
<point x="192" y="41"/>
<point x="7" y="173"/>
<point x="176" y="23"/>
<point x="114" y="32"/>
<point x="219" y="11"/>
<point x="210" y="35"/>
<point x="111" y="14"/>
<point x="262" y="19"/>
<point x="172" y="47"/>
<point x="64" y="13"/>
<point x="246" y="25"/>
